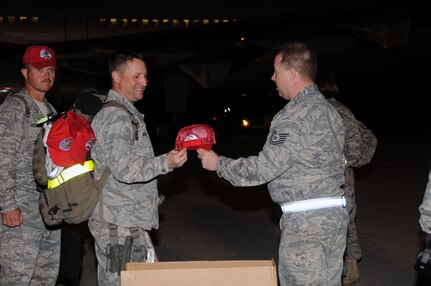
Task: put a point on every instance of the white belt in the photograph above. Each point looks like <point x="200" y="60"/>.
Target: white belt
<point x="313" y="204"/>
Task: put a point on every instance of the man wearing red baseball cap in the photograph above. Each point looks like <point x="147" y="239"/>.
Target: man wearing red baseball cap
<point x="39" y="57"/>
<point x="29" y="252"/>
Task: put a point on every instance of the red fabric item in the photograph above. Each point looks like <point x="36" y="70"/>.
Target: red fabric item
<point x="39" y="57"/>
<point x="70" y="139"/>
<point x="194" y="137"/>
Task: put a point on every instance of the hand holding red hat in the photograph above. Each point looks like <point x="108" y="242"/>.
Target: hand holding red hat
<point x="176" y="158"/>
<point x="209" y="159"/>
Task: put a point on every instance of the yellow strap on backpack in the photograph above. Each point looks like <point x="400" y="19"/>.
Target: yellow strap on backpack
<point x="70" y="173"/>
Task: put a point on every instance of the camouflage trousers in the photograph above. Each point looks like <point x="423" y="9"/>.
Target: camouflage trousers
<point x="312" y="246"/>
<point x="100" y="232"/>
<point x="29" y="254"/>
<point x="353" y="249"/>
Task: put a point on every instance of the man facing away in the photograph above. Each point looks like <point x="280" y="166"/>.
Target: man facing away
<point x="29" y="252"/>
<point x="129" y="203"/>
<point x="360" y="145"/>
<point x="303" y="163"/>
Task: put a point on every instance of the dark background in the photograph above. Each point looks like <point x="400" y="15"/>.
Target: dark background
<point x="378" y="50"/>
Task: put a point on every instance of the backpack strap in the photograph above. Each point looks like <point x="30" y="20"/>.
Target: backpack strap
<point x="26" y="115"/>
<point x="101" y="182"/>
<point x="113" y="234"/>
<point x="99" y="185"/>
<point x="21" y="98"/>
<point x="52" y="116"/>
<point x="134" y="121"/>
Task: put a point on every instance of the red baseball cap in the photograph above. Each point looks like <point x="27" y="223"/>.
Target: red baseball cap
<point x="39" y="57"/>
<point x="70" y="139"/>
<point x="195" y="136"/>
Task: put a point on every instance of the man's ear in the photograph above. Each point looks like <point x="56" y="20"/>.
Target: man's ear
<point x="24" y="72"/>
<point x="115" y="76"/>
<point x="292" y="74"/>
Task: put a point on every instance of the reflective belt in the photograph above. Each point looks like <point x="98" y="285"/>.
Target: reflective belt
<point x="70" y="173"/>
<point x="313" y="204"/>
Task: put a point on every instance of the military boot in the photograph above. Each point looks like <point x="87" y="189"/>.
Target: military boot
<point x="352" y="273"/>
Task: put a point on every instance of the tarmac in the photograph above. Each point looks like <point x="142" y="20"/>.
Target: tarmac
<point x="205" y="218"/>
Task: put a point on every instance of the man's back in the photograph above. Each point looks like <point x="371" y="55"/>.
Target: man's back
<point x="360" y="142"/>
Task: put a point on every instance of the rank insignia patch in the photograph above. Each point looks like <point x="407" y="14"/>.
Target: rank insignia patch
<point x="277" y="138"/>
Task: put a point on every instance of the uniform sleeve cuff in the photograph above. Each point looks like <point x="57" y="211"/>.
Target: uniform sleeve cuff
<point x="219" y="167"/>
<point x="164" y="164"/>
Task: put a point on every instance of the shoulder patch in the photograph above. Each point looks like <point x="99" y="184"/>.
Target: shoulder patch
<point x="277" y="138"/>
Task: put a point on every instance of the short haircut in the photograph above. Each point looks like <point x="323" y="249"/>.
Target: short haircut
<point x="120" y="58"/>
<point x="301" y="57"/>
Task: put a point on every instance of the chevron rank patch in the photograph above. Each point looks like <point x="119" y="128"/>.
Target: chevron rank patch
<point x="277" y="138"/>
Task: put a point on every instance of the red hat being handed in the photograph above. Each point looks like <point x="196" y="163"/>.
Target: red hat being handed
<point x="39" y="57"/>
<point x="195" y="136"/>
<point x="70" y="139"/>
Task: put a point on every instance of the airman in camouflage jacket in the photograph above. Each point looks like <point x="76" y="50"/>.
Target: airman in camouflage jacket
<point x="18" y="191"/>
<point x="130" y="195"/>
<point x="359" y="148"/>
<point x="303" y="154"/>
<point x="302" y="159"/>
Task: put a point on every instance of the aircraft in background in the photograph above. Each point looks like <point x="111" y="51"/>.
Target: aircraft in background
<point x="198" y="50"/>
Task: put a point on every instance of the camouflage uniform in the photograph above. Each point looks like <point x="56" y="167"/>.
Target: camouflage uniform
<point x="302" y="159"/>
<point x="130" y="195"/>
<point x="359" y="148"/>
<point x="425" y="208"/>
<point x="29" y="254"/>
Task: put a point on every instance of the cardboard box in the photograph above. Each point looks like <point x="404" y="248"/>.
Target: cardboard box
<point x="199" y="273"/>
